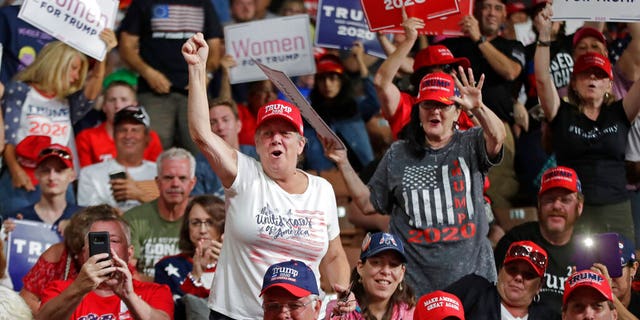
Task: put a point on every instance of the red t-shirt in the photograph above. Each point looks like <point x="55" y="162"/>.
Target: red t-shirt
<point x="403" y="116"/>
<point x="94" y="146"/>
<point x="92" y="306"/>
<point x="248" y="131"/>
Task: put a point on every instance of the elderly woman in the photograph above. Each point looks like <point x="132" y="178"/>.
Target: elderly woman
<point x="512" y="297"/>
<point x="275" y="212"/>
<point x="431" y="183"/>
<point x="590" y="132"/>
<point x="192" y="271"/>
<point x="378" y="281"/>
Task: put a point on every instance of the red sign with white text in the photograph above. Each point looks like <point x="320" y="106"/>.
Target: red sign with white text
<point x="441" y="17"/>
<point x="387" y="14"/>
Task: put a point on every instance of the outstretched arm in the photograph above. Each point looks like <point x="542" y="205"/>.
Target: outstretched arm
<point x="471" y="101"/>
<point x="93" y="85"/>
<point x="388" y="93"/>
<point x="358" y="191"/>
<point x="547" y="92"/>
<point x="629" y="62"/>
<point x="221" y="156"/>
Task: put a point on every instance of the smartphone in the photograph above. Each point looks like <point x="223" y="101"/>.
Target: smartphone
<point x="601" y="248"/>
<point x="99" y="243"/>
<point x="118" y="175"/>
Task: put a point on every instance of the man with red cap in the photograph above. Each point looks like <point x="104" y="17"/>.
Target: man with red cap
<point x="588" y="295"/>
<point x="290" y="287"/>
<point x="512" y="297"/>
<point x="54" y="172"/>
<point x="560" y="203"/>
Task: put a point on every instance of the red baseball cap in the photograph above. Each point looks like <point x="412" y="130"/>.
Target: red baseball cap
<point x="438" y="87"/>
<point x="528" y="252"/>
<point x="56" y="151"/>
<point x="438" y="54"/>
<point x="560" y="177"/>
<point x="593" y="60"/>
<point x="283" y="110"/>
<point x="587" y="279"/>
<point x="516" y="6"/>
<point x="438" y="305"/>
<point x="27" y="152"/>
<point x="588" y="32"/>
<point x="329" y="63"/>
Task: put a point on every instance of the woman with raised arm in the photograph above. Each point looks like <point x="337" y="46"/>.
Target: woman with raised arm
<point x="589" y="132"/>
<point x="431" y="183"/>
<point x="275" y="212"/>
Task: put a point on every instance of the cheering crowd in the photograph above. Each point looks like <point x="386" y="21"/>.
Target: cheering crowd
<point x="214" y="197"/>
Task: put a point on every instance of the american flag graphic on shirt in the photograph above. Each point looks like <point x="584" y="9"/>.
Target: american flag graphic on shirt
<point x="437" y="195"/>
<point x="177" y="18"/>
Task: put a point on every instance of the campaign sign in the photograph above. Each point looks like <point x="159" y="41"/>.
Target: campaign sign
<point x="340" y="23"/>
<point x="26" y="243"/>
<point x="597" y="10"/>
<point x="289" y="90"/>
<point x="444" y="25"/>
<point x="283" y="43"/>
<point x="387" y="14"/>
<point x="75" y="22"/>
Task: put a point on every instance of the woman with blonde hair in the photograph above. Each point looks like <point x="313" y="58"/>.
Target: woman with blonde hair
<point x="40" y="106"/>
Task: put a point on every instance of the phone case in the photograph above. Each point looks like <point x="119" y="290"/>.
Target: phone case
<point x="99" y="243"/>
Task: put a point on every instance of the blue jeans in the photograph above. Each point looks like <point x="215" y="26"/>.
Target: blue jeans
<point x="353" y="133"/>
<point x="14" y="199"/>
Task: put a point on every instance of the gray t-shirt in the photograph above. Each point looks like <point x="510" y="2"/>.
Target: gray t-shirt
<point x="437" y="208"/>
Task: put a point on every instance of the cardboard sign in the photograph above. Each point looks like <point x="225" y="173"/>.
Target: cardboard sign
<point x="445" y="25"/>
<point x="25" y="245"/>
<point x="340" y="23"/>
<point x="282" y="43"/>
<point x="587" y="10"/>
<point x="289" y="90"/>
<point x="75" y="22"/>
<point x="387" y="14"/>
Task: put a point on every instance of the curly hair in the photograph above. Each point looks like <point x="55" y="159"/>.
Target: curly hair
<point x="214" y="207"/>
<point x="80" y="223"/>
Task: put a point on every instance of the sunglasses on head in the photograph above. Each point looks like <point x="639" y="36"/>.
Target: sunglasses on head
<point x="538" y="259"/>
<point x="58" y="152"/>
<point x="132" y="111"/>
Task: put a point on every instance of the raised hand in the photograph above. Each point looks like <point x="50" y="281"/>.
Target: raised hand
<point x="121" y="280"/>
<point x="470" y="26"/>
<point x="94" y="273"/>
<point x="339" y="156"/>
<point x="109" y="37"/>
<point x="196" y="50"/>
<point x="542" y="22"/>
<point x="411" y="25"/>
<point x="471" y="93"/>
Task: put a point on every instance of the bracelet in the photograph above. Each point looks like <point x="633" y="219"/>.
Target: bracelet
<point x="543" y="43"/>
<point x="481" y="40"/>
<point x="195" y="281"/>
<point x="470" y="114"/>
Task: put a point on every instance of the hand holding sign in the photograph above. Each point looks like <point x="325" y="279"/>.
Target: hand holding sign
<point x="284" y="84"/>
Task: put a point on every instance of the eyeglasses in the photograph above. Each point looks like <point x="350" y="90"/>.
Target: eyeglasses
<point x="196" y="223"/>
<point x="291" y="305"/>
<point x="58" y="152"/>
<point x="538" y="259"/>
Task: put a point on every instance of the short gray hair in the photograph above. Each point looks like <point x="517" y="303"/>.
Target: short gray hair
<point x="177" y="154"/>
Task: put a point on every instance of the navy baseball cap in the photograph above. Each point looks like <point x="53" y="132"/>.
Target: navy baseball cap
<point x="375" y="243"/>
<point x="293" y="275"/>
<point x="627" y="250"/>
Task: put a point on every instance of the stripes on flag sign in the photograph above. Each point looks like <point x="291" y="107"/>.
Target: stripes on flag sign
<point x="177" y="18"/>
<point x="435" y="195"/>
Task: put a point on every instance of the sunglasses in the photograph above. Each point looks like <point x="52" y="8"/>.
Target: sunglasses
<point x="58" y="152"/>
<point x="538" y="259"/>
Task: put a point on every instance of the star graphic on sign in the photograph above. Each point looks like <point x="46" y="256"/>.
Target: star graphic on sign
<point x="171" y="270"/>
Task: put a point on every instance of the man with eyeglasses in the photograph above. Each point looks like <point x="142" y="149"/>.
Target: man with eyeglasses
<point x="290" y="291"/>
<point x="560" y="203"/>
<point x="512" y="296"/>
<point x="100" y="184"/>
<point x="588" y="295"/>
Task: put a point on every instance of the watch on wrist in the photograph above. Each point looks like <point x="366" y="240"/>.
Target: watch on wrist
<point x="541" y="43"/>
<point x="481" y="40"/>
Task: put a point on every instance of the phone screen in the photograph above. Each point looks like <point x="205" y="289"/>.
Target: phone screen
<point x="117" y="175"/>
<point x="601" y="248"/>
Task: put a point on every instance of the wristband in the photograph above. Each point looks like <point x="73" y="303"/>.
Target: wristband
<point x="481" y="40"/>
<point x="541" y="43"/>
